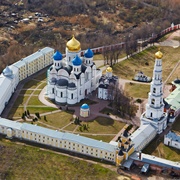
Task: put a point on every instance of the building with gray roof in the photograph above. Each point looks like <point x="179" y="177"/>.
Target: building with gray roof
<point x="172" y="139"/>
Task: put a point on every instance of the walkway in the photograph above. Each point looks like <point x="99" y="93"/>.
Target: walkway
<point x="170" y="40"/>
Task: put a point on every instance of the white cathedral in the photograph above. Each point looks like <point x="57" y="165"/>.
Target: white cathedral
<point x="72" y="78"/>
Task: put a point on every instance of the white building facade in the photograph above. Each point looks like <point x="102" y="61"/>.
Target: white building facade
<point x="72" y="78"/>
<point x="13" y="74"/>
<point x="172" y="139"/>
<point x="107" y="85"/>
<point x="155" y="114"/>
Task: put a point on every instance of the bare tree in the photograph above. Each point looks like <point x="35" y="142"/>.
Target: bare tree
<point x="121" y="103"/>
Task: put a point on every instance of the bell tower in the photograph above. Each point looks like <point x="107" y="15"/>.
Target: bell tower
<point x="154" y="113"/>
<point x="155" y="106"/>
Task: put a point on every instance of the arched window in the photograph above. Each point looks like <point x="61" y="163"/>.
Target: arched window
<point x="71" y="96"/>
<point x="53" y="90"/>
<point x="153" y="101"/>
<point x="151" y="115"/>
<point x="61" y="94"/>
<point x="154" y="90"/>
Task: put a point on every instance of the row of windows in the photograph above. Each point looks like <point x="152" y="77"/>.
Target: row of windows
<point x="153" y="101"/>
<point x="65" y="142"/>
<point x="154" y="90"/>
<point x="69" y="147"/>
<point x="76" y="69"/>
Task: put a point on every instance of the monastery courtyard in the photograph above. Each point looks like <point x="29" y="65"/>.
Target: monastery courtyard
<point x="102" y="124"/>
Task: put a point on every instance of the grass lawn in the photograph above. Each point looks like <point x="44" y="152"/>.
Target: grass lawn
<point x="175" y="75"/>
<point x="42" y="85"/>
<point x="20" y="161"/>
<point x="165" y="37"/>
<point x="59" y="119"/>
<point x="34" y="101"/>
<point x="26" y="92"/>
<point x="71" y="127"/>
<point x="15" y="112"/>
<point x="137" y="90"/>
<point x="128" y="68"/>
<point x="31" y="84"/>
<point x="36" y="92"/>
<point x="165" y="152"/>
<point x="40" y="109"/>
<point x="177" y="38"/>
<point x="97" y="137"/>
<point x="21" y="100"/>
<point x="42" y="76"/>
<point x="102" y="125"/>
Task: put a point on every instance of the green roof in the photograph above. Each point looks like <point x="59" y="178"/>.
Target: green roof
<point x="174" y="99"/>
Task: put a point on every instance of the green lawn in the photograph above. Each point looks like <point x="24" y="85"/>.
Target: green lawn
<point x="165" y="37"/>
<point x="71" y="127"/>
<point x="174" y="75"/>
<point x="37" y="92"/>
<point x="128" y="68"/>
<point x="20" y="101"/>
<point x="40" y="109"/>
<point x="26" y="92"/>
<point x="34" y="101"/>
<point x="137" y="90"/>
<point x="165" y="152"/>
<point x="15" y="112"/>
<point x="42" y="85"/>
<point x="42" y="76"/>
<point x="102" y="125"/>
<point x="177" y="38"/>
<point x="58" y="120"/>
<point x="20" y="161"/>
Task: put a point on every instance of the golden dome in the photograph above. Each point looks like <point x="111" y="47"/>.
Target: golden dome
<point x="73" y="44"/>
<point x="159" y="55"/>
<point x="109" y="69"/>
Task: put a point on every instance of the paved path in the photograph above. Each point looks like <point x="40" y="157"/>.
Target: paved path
<point x="170" y="40"/>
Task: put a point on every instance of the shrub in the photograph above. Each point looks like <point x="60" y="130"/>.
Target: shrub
<point x="38" y="115"/>
<point x="139" y="100"/>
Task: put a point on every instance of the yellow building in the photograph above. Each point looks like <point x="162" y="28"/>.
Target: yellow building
<point x="125" y="148"/>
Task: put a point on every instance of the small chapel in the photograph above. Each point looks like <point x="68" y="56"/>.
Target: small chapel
<point x="73" y="77"/>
